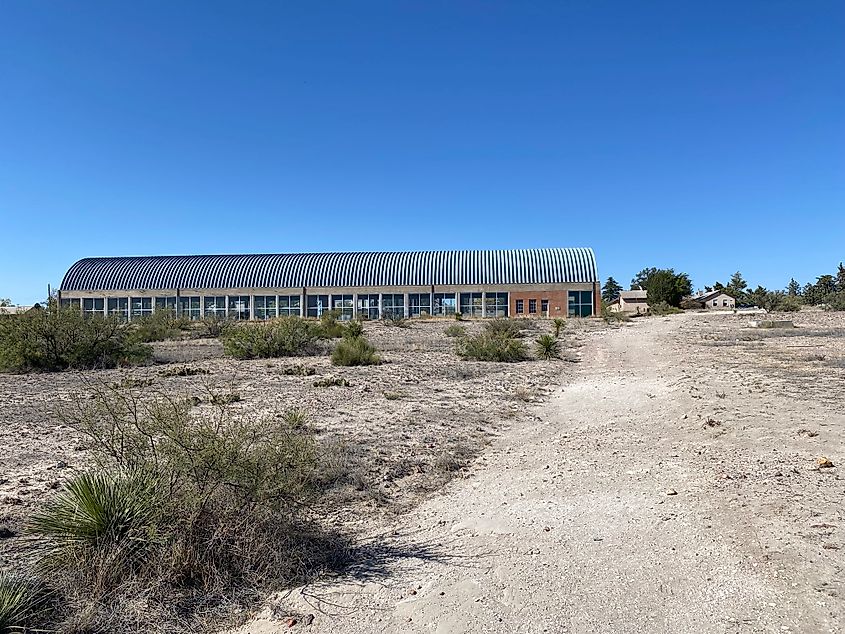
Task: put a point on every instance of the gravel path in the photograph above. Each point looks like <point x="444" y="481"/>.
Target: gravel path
<point x="650" y="494"/>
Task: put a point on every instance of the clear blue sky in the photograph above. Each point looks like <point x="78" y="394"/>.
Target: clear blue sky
<point x="705" y="136"/>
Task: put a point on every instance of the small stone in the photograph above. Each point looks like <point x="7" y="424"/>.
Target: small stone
<point x="547" y="528"/>
<point x="6" y="533"/>
<point x="308" y="620"/>
<point x="671" y="492"/>
<point x="824" y="463"/>
<point x="412" y="592"/>
<point x="61" y="464"/>
<point x="291" y="622"/>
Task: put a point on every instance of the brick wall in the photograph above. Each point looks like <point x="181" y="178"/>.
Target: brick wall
<point x="558" y="302"/>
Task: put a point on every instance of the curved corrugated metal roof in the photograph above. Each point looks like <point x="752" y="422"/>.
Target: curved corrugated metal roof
<point x="297" y="270"/>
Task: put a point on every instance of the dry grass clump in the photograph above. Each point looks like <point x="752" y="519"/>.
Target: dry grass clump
<point x="23" y="603"/>
<point x="497" y="342"/>
<point x="182" y="513"/>
<point x="159" y="326"/>
<point x="455" y="330"/>
<point x="355" y="351"/>
<point x="55" y="338"/>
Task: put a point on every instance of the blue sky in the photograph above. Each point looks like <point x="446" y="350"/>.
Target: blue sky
<point x="705" y="136"/>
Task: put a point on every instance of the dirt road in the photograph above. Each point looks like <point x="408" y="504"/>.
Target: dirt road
<point x="669" y="488"/>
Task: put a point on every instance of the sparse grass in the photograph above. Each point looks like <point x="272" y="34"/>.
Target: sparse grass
<point x="295" y="418"/>
<point x="214" y="326"/>
<point x="396" y="320"/>
<point x="488" y="347"/>
<point x="298" y="370"/>
<point x="611" y="316"/>
<point x="219" y="398"/>
<point x="455" y="330"/>
<point x="282" y="337"/>
<point x="506" y="328"/>
<point x="355" y="351"/>
<point x="547" y="347"/>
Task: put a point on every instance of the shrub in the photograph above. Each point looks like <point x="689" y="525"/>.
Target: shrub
<point x="395" y="319"/>
<point x="455" y="330"/>
<point x="224" y="519"/>
<point x="21" y="602"/>
<point x="548" y="347"/>
<point x="503" y="328"/>
<point x="56" y="338"/>
<point x="329" y="327"/>
<point x="835" y="301"/>
<point x="558" y="324"/>
<point x="332" y="381"/>
<point x="489" y="347"/>
<point x="214" y="326"/>
<point x="611" y="316"/>
<point x="790" y="304"/>
<point x="283" y="337"/>
<point x="98" y="511"/>
<point x="662" y="308"/>
<point x="355" y="351"/>
<point x="159" y="326"/>
<point x="354" y="329"/>
<point x="458" y="316"/>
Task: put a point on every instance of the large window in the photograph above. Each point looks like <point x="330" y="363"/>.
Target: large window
<point x="290" y="305"/>
<point x="580" y="303"/>
<point x="239" y="307"/>
<point x="93" y="305"/>
<point x="532" y="306"/>
<point x="368" y="306"/>
<point x="471" y="304"/>
<point x="317" y="305"/>
<point x="141" y="306"/>
<point x="190" y="307"/>
<point x="496" y="305"/>
<point x="167" y="303"/>
<point x="443" y="304"/>
<point x="76" y="304"/>
<point x="119" y="306"/>
<point x="343" y="304"/>
<point x="215" y="307"/>
<point x="264" y="306"/>
<point x="393" y="305"/>
<point x="419" y="304"/>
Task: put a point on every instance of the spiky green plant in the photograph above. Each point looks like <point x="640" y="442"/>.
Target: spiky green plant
<point x="547" y="347"/>
<point x="558" y="324"/>
<point x="98" y="511"/>
<point x="296" y="418"/>
<point x="20" y="603"/>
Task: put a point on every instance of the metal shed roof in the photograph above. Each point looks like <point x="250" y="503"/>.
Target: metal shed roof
<point x="297" y="270"/>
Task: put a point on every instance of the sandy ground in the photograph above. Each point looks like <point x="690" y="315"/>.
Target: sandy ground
<point x="669" y="485"/>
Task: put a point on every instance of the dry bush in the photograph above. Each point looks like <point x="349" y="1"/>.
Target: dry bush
<point x="455" y="330"/>
<point x="214" y="326"/>
<point x="355" y="351"/>
<point x="281" y="337"/>
<point x="159" y="326"/>
<point x="55" y="338"/>
<point x="505" y="328"/>
<point x="491" y="347"/>
<point x="184" y="510"/>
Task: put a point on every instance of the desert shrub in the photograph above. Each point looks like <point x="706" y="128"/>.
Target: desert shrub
<point x="503" y="328"/>
<point x="790" y="304"/>
<point x="217" y="513"/>
<point x="22" y="602"/>
<point x="331" y="381"/>
<point x="354" y="329"/>
<point x="490" y="347"/>
<point x="395" y="319"/>
<point x="455" y="330"/>
<point x="662" y="308"/>
<point x="835" y="301"/>
<point x="547" y="347"/>
<point x="283" y="337"/>
<point x="299" y="370"/>
<point x="214" y="326"/>
<point x="611" y="316"/>
<point x="330" y="327"/>
<point x="159" y="326"/>
<point x="55" y="338"/>
<point x="100" y="513"/>
<point x="558" y="324"/>
<point x="458" y="316"/>
<point x="355" y="351"/>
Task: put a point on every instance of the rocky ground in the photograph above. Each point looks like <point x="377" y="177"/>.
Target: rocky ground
<point x="687" y="479"/>
<point x="395" y="432"/>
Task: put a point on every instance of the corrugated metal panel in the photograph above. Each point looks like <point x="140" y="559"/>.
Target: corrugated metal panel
<point x="295" y="270"/>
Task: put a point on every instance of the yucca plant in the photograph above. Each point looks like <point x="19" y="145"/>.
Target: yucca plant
<point x="98" y="512"/>
<point x="547" y="347"/>
<point x="21" y="601"/>
<point x="558" y="324"/>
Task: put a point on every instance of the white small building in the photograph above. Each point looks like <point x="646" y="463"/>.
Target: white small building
<point x="715" y="300"/>
<point x="631" y="302"/>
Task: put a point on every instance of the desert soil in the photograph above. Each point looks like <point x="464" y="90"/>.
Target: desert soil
<point x="670" y="483"/>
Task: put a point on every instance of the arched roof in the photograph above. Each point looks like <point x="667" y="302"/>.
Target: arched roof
<point x="297" y="270"/>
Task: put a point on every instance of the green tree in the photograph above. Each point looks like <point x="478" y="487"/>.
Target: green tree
<point x="793" y="289"/>
<point x="736" y="287"/>
<point x="5" y="301"/>
<point x="840" y="278"/>
<point x="663" y="285"/>
<point x="611" y="290"/>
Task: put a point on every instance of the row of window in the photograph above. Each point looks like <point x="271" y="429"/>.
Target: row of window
<point x="269" y="306"/>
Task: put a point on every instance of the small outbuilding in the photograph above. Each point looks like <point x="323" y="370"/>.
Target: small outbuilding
<point x="631" y="302"/>
<point x="714" y="300"/>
